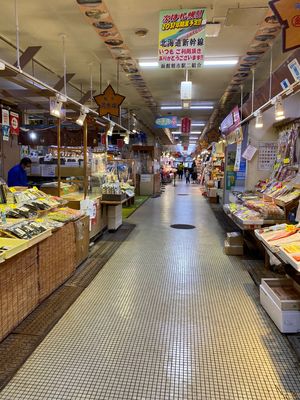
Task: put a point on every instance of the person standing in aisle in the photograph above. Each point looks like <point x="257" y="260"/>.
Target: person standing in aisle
<point x="187" y="176"/>
<point x="180" y="171"/>
<point x="17" y="175"/>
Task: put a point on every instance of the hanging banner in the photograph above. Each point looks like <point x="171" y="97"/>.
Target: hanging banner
<point x="186" y="124"/>
<point x="120" y="144"/>
<point x="14" y="123"/>
<point x="166" y="122"/>
<point x="288" y="14"/>
<point x="231" y="127"/>
<point x="182" y="38"/>
<point x="238" y="157"/>
<point x="249" y="152"/>
<point x="5" y="124"/>
<point x="109" y="102"/>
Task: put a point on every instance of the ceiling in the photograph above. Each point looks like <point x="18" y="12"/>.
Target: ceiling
<point x="41" y="24"/>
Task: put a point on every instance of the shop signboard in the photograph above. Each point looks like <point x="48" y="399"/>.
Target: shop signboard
<point x="186" y="124"/>
<point x="14" y="123"/>
<point x="231" y="127"/>
<point x="166" y="122"/>
<point x="5" y="124"/>
<point x="288" y="14"/>
<point x="109" y="102"/>
<point x="182" y="38"/>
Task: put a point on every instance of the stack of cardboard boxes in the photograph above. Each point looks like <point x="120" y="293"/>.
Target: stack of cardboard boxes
<point x="234" y="244"/>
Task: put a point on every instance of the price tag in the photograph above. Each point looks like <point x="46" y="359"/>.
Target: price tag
<point x="13" y="190"/>
<point x="286" y="161"/>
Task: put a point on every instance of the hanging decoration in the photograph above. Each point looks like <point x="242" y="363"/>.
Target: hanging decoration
<point x="288" y="14"/>
<point x="109" y="102"/>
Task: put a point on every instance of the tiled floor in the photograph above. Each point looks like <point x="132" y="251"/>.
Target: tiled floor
<point x="169" y="317"/>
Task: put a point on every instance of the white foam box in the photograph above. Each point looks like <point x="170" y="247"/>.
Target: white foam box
<point x="235" y="239"/>
<point x="114" y="223"/>
<point x="281" y="300"/>
<point x="230" y="250"/>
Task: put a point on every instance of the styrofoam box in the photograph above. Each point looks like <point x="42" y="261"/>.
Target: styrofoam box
<point x="114" y="224"/>
<point x="284" y="292"/>
<point x="286" y="321"/>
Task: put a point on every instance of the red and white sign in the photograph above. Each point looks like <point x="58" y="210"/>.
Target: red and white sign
<point x="14" y="123"/>
<point x="185" y="148"/>
<point x="186" y="124"/>
<point x="103" y="139"/>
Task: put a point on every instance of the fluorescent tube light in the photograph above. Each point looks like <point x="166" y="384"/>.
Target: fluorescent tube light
<point x="171" y="108"/>
<point x="195" y="124"/>
<point x="192" y="107"/>
<point x="220" y="62"/>
<point x="202" y="107"/>
<point x="148" y="64"/>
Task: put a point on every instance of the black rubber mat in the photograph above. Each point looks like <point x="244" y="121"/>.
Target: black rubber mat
<point x="183" y="226"/>
<point x="20" y="344"/>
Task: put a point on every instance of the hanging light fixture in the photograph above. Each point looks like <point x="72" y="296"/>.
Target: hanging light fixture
<point x="259" y="123"/>
<point x="56" y="104"/>
<point x="186" y="92"/>
<point x="279" y="110"/>
<point x="83" y="113"/>
<point x="111" y="128"/>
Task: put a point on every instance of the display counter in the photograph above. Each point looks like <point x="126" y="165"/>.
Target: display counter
<point x="30" y="276"/>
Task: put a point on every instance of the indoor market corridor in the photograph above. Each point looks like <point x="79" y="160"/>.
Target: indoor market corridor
<point x="168" y="317"/>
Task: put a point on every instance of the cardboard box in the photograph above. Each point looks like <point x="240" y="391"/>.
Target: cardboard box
<point x="213" y="200"/>
<point x="233" y="250"/>
<point x="235" y="239"/>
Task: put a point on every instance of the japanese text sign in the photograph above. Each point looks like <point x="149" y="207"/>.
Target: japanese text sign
<point x="182" y="38"/>
<point x="109" y="102"/>
<point x="186" y="124"/>
<point x="288" y="14"/>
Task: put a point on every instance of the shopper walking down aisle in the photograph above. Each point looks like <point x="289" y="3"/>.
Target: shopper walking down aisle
<point x="187" y="176"/>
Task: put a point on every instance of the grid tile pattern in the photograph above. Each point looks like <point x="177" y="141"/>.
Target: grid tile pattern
<point x="169" y="317"/>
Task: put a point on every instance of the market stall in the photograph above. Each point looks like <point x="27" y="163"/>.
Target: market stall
<point x="42" y="243"/>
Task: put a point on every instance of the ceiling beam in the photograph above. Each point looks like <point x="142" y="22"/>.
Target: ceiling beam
<point x="28" y="55"/>
<point x="60" y="84"/>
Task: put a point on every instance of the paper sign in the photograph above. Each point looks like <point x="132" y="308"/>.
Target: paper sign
<point x="186" y="124"/>
<point x="249" y="152"/>
<point x="238" y="157"/>
<point x="5" y="124"/>
<point x="145" y="178"/>
<point x="285" y="84"/>
<point x="294" y="67"/>
<point x="182" y="38"/>
<point x="267" y="155"/>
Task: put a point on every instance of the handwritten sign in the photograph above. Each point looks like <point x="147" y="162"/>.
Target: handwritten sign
<point x="109" y="102"/>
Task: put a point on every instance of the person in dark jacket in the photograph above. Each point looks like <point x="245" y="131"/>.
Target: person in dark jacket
<point x="17" y="175"/>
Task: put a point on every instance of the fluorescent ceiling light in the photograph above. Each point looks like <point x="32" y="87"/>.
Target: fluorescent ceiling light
<point x="220" y="62"/>
<point x="192" y="107"/>
<point x="202" y="107"/>
<point x="2" y="66"/>
<point x="171" y="108"/>
<point x="149" y="64"/>
<point x="195" y="124"/>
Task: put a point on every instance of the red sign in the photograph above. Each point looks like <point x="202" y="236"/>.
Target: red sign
<point x="14" y="123"/>
<point x="185" y="148"/>
<point x="186" y="124"/>
<point x="120" y="143"/>
<point x="103" y="139"/>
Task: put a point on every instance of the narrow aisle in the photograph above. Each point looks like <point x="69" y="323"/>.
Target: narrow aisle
<point x="169" y="317"/>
